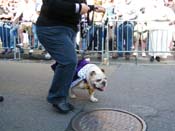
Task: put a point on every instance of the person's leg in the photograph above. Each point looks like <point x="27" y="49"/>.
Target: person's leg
<point x="35" y="37"/>
<point x="119" y="34"/>
<point x="2" y="38"/>
<point x="20" y="32"/>
<point x="60" y="43"/>
<point x="92" y="37"/>
<point x="5" y="38"/>
<point x="110" y="37"/>
<point x="12" y="37"/>
<point x="144" y="43"/>
<point x="128" y="35"/>
<point x="29" y="39"/>
<point x="99" y="40"/>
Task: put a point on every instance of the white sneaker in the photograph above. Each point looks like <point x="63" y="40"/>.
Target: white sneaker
<point x="135" y="53"/>
<point x="143" y="54"/>
<point x="31" y="51"/>
<point x="47" y="56"/>
<point x="20" y="44"/>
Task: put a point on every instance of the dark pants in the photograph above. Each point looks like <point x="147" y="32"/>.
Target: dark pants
<point x="60" y="42"/>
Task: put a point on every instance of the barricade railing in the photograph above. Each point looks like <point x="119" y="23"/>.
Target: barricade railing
<point x="101" y="39"/>
<point x="11" y="38"/>
<point x="163" y="42"/>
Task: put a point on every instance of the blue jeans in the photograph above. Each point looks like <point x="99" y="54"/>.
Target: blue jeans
<point x="13" y="36"/>
<point x="35" y="45"/>
<point x="59" y="41"/>
<point x="97" y="35"/>
<point x="5" y="35"/>
<point x="124" y="33"/>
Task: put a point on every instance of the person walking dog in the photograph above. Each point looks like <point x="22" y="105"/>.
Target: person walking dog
<point x="57" y="26"/>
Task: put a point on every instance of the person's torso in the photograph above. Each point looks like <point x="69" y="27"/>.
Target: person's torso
<point x="63" y="17"/>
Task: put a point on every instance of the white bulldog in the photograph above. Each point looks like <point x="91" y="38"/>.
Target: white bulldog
<point x="90" y="77"/>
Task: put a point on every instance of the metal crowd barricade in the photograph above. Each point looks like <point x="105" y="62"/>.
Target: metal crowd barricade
<point x="95" y="41"/>
<point x="135" y="45"/>
<point x="14" y="37"/>
<point x="6" y="39"/>
<point x="98" y="41"/>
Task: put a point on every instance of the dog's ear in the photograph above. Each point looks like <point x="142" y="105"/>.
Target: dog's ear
<point x="102" y="70"/>
<point x="92" y="73"/>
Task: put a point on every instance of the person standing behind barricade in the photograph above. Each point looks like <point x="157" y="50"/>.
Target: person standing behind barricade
<point x="5" y="26"/>
<point x="160" y="32"/>
<point x="57" y="26"/>
<point x="97" y="29"/>
<point x="126" y="13"/>
<point x="14" y="28"/>
<point x="23" y="16"/>
<point x="34" y="39"/>
<point x="35" y="42"/>
<point x="110" y="17"/>
<point x="140" y="29"/>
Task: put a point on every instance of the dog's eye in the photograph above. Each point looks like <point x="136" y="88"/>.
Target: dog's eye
<point x="98" y="80"/>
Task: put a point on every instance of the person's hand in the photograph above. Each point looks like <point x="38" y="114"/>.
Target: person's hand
<point x="100" y="9"/>
<point x="84" y="8"/>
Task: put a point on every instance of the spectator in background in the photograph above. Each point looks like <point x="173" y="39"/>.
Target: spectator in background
<point x="126" y="12"/>
<point x="170" y="3"/>
<point x="140" y="33"/>
<point x="160" y="34"/>
<point x="5" y="26"/>
<point x="23" y="17"/>
<point x="38" y="4"/>
<point x="34" y="17"/>
<point x="97" y="29"/>
<point x="110" y="18"/>
<point x="14" y="28"/>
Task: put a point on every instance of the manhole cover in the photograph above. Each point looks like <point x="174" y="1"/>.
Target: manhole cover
<point x="107" y="120"/>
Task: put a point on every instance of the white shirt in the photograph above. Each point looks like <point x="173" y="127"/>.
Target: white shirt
<point x="26" y="9"/>
<point x="128" y="11"/>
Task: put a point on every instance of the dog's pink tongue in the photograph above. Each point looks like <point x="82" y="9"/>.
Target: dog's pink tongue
<point x="102" y="89"/>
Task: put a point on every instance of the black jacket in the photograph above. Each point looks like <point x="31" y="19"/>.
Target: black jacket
<point x="59" y="13"/>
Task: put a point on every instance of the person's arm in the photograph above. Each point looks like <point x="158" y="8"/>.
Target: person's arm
<point x="60" y="7"/>
<point x="100" y="9"/>
<point x="65" y="8"/>
<point x="19" y="12"/>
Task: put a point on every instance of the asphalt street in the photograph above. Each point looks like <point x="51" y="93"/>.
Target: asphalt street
<point x="145" y="90"/>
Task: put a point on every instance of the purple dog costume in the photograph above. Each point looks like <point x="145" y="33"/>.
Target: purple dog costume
<point x="76" y="78"/>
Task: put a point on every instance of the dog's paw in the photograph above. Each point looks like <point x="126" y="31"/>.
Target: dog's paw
<point x="93" y="99"/>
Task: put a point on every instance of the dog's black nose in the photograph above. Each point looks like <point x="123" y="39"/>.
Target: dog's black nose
<point x="104" y="83"/>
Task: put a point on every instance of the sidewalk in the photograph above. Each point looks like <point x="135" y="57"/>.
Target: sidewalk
<point x="145" y="90"/>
